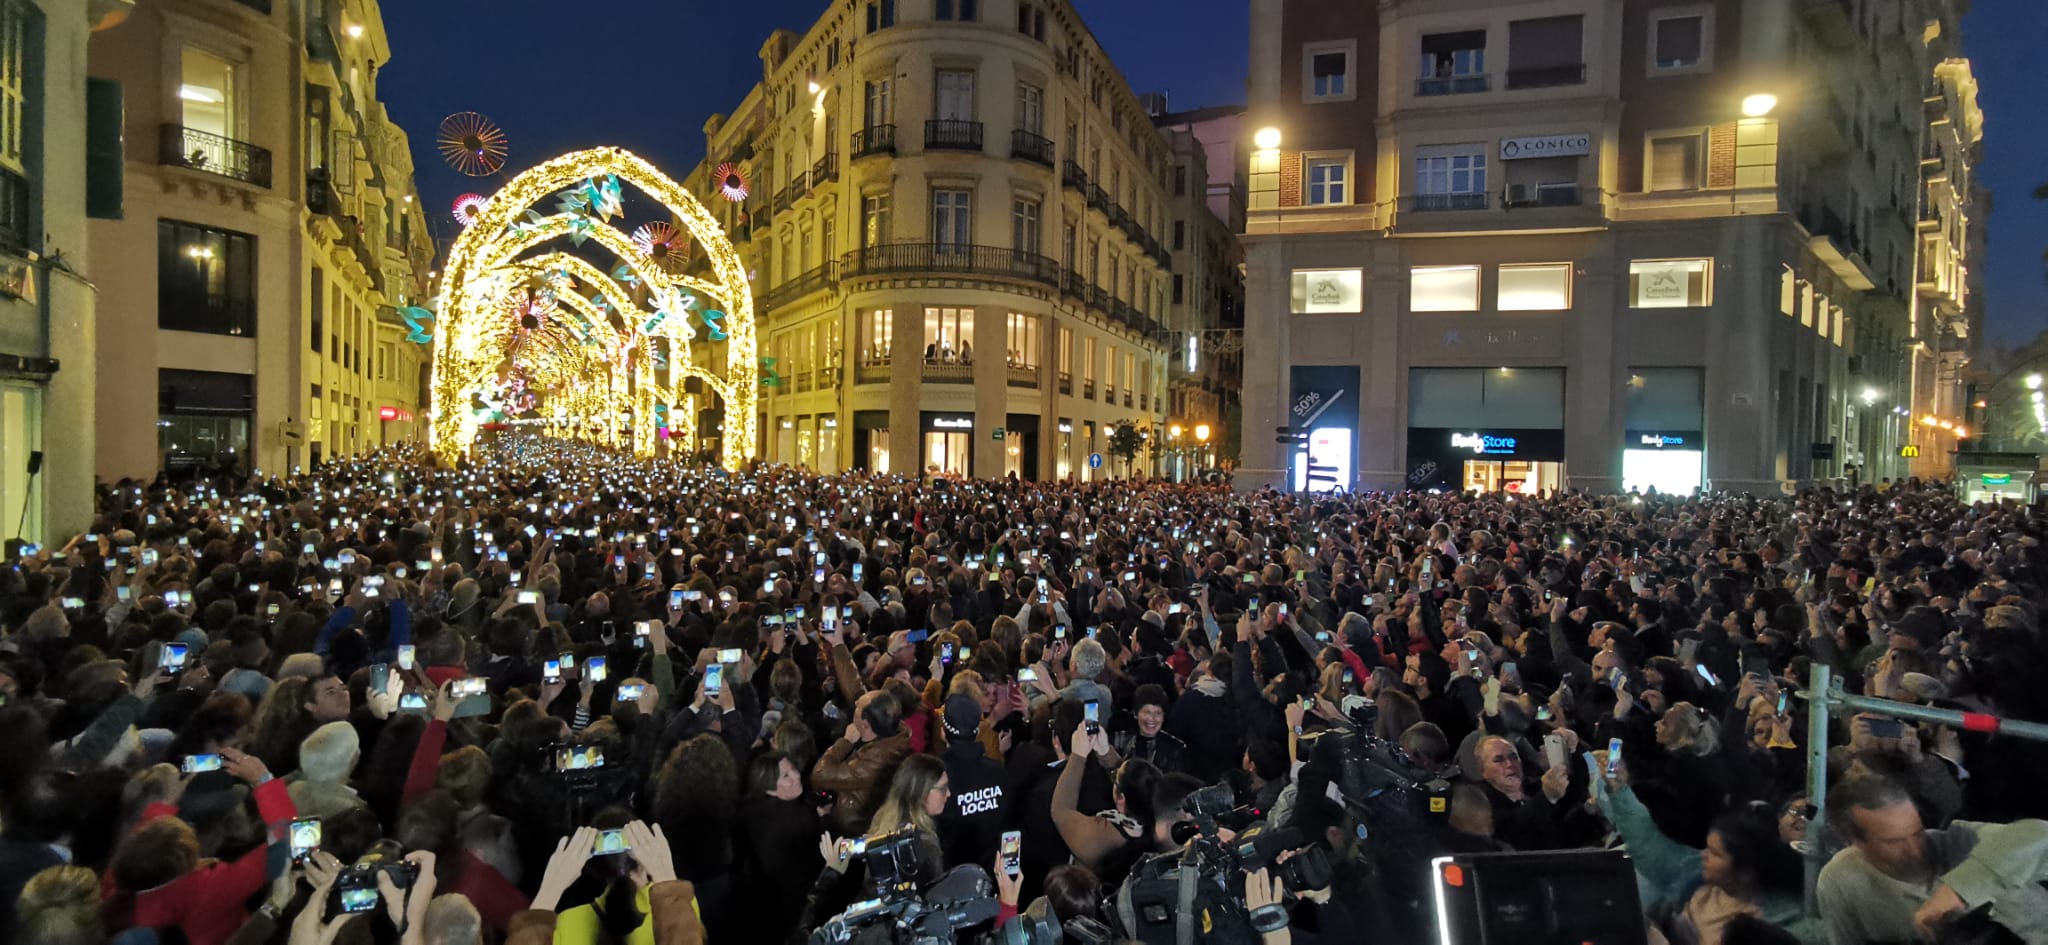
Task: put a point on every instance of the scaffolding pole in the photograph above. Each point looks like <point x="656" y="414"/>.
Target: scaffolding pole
<point x="1826" y="696"/>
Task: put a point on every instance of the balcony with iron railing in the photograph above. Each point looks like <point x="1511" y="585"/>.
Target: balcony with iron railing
<point x="1073" y="284"/>
<point x="205" y="151"/>
<point x="1071" y="175"/>
<point x="952" y="134"/>
<point x="1543" y="77"/>
<point x="1098" y="199"/>
<point x="1439" y="203"/>
<point x="826" y="170"/>
<point x="1452" y="85"/>
<point x="815" y="280"/>
<point x="877" y="139"/>
<point x="951" y="257"/>
<point x="15" y="233"/>
<point x="1027" y="146"/>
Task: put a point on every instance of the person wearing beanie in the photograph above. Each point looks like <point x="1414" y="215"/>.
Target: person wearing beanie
<point x="980" y="809"/>
<point x="326" y="759"/>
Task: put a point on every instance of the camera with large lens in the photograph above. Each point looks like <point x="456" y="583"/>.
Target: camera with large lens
<point x="899" y="914"/>
<point x="1377" y="778"/>
<point x="1044" y="928"/>
<point x="355" y="889"/>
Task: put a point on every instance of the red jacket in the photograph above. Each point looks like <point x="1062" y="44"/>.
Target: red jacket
<point x="206" y="904"/>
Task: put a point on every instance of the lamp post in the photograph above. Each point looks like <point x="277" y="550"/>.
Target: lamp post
<point x="1202" y="441"/>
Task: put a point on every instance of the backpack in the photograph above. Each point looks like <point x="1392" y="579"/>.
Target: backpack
<point x="1169" y="899"/>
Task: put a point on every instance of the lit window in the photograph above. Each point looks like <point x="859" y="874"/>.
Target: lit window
<point x="1443" y="289"/>
<point x="1536" y="288"/>
<point x="1325" y="291"/>
<point x="1670" y="283"/>
<point x="1325" y="182"/>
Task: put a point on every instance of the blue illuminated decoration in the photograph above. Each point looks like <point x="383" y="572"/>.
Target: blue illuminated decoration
<point x="417" y="324"/>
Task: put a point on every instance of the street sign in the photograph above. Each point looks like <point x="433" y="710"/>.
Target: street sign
<point x="1094" y="460"/>
<point x="996" y="434"/>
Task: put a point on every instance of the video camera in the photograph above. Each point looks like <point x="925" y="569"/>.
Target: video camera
<point x="961" y="899"/>
<point x="1378" y="780"/>
<point x="1028" y="929"/>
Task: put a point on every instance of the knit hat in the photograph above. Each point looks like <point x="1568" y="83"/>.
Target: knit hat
<point x="329" y="753"/>
<point x="246" y="682"/>
<point x="963" y="716"/>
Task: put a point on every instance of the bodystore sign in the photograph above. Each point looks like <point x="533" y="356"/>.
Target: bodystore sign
<point x="1484" y="444"/>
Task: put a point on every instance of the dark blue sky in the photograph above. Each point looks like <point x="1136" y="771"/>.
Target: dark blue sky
<point x="644" y="74"/>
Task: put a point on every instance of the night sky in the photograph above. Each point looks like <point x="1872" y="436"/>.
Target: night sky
<point x="644" y="74"/>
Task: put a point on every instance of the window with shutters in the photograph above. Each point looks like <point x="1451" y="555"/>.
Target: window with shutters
<point x="1327" y="72"/>
<point x="953" y="218"/>
<point x="1024" y="226"/>
<point x="1546" y="52"/>
<point x="1674" y="161"/>
<point x="880" y="108"/>
<point x="16" y="19"/>
<point x="1681" y="40"/>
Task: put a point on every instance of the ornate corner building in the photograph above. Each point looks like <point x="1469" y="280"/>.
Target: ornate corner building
<point x="956" y="213"/>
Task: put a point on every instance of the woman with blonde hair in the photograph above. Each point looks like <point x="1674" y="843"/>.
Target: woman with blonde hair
<point x="916" y="797"/>
<point x="60" y="906"/>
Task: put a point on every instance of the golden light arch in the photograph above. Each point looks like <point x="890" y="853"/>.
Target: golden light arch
<point x="597" y="373"/>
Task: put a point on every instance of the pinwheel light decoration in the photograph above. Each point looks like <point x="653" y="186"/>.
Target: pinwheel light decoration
<point x="467" y="207"/>
<point x="732" y="182"/>
<point x="418" y="324"/>
<point x="663" y="246"/>
<point x="473" y="144"/>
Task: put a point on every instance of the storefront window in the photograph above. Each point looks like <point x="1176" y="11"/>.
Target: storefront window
<point x="947" y="453"/>
<point x="878" y="451"/>
<point x="1324" y="291"/>
<point x="1536" y="288"/>
<point x="949" y="335"/>
<point x="877" y="335"/>
<point x="1443" y="289"/>
<point x="1023" y="340"/>
<point x="1670" y="283"/>
<point x="1063" y="454"/>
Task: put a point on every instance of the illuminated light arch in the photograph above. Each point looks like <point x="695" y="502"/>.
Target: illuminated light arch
<point x="596" y="371"/>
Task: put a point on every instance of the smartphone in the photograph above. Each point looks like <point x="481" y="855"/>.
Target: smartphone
<point x="1543" y="713"/>
<point x="195" y="764"/>
<point x="1707" y="674"/>
<point x="528" y="597"/>
<point x="173" y="657"/>
<point x="1027" y="674"/>
<point x="1091" y="714"/>
<point x="1784" y="699"/>
<point x="578" y="757"/>
<point x="149" y="557"/>
<point x="124" y="593"/>
<point x="675" y="598"/>
<point x="730" y="655"/>
<point x="946" y="653"/>
<point x="551" y="671"/>
<point x="714" y="678"/>
<point x="610" y="842"/>
<point x="1881" y="727"/>
<point x="1059" y="631"/>
<point x="817" y="575"/>
<point x="917" y="636"/>
<point x="1553" y="749"/>
<point x="852" y="847"/>
<point x="406" y="655"/>
<point x="412" y="702"/>
<point x="768" y="587"/>
<point x="1283" y="614"/>
<point x="1012" y="852"/>
<point x="632" y="692"/>
<point x="1613" y="756"/>
<point x="305" y="838"/>
<point x="568" y="660"/>
<point x="857" y="571"/>
<point x="594" y="668"/>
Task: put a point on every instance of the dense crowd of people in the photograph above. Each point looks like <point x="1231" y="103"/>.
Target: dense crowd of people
<point x="561" y="695"/>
